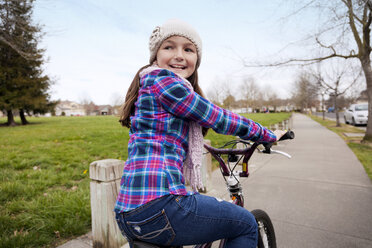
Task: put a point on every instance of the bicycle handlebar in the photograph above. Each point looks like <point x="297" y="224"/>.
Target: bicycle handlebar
<point x="288" y="135"/>
<point x="245" y="152"/>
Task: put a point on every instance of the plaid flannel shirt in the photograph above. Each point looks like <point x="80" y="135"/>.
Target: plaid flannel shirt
<point x="158" y="141"/>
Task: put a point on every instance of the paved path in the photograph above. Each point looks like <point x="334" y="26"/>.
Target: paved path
<point x="321" y="197"/>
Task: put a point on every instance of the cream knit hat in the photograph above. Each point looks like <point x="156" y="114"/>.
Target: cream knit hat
<point x="170" y="28"/>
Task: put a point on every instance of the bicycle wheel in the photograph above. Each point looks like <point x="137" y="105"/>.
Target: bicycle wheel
<point x="266" y="233"/>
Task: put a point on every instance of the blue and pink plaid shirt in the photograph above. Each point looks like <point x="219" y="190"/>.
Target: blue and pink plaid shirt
<point x="159" y="137"/>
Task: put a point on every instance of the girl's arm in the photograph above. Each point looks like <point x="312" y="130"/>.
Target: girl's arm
<point x="183" y="102"/>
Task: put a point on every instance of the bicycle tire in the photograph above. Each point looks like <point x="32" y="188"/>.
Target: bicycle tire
<point x="266" y="233"/>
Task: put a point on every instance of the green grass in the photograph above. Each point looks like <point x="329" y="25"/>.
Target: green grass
<point x="363" y="151"/>
<point x="44" y="184"/>
<point x="44" y="178"/>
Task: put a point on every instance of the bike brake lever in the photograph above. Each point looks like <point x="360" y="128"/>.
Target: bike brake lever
<point x="267" y="148"/>
<point x="271" y="151"/>
<point x="281" y="153"/>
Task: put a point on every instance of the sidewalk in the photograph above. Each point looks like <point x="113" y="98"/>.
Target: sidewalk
<point x="321" y="197"/>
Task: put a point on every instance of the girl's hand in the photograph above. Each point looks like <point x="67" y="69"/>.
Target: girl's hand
<point x="279" y="133"/>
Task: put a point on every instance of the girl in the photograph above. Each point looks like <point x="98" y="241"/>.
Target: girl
<point x="167" y="116"/>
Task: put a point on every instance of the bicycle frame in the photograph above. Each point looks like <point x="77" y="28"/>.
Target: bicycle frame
<point x="235" y="190"/>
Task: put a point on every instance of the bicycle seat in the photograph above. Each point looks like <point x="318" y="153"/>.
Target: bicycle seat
<point x="141" y="244"/>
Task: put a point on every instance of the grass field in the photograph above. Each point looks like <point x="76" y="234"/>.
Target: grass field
<point x="44" y="177"/>
<point x="361" y="150"/>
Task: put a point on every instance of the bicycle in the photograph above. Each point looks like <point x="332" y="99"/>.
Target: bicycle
<point x="266" y="232"/>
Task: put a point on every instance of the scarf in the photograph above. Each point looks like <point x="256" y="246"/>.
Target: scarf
<point x="193" y="161"/>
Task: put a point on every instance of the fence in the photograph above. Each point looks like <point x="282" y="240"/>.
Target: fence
<point x="104" y="187"/>
<point x="284" y="125"/>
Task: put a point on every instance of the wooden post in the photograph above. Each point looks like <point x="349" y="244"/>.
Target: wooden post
<point x="286" y="124"/>
<point x="280" y="126"/>
<point x="104" y="188"/>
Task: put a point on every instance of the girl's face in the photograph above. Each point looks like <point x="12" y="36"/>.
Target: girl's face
<point x="179" y="55"/>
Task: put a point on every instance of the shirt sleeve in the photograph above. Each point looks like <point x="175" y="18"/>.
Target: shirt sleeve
<point x="176" y="98"/>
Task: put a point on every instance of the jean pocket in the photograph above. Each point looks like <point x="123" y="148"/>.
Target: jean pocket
<point x="155" y="229"/>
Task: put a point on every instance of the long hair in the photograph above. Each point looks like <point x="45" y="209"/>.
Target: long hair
<point x="128" y="108"/>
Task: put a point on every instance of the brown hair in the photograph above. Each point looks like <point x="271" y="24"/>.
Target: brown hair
<point x="127" y="108"/>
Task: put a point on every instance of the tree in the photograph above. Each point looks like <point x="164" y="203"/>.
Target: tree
<point x="342" y="101"/>
<point x="116" y="102"/>
<point x="362" y="96"/>
<point x="250" y="92"/>
<point x="89" y="106"/>
<point x="305" y="91"/>
<point x="345" y="34"/>
<point x="337" y="80"/>
<point x="22" y="83"/>
<point x="218" y="92"/>
<point x="229" y="102"/>
<point x="271" y="98"/>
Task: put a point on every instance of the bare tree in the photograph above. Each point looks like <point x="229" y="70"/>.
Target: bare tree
<point x="305" y="91"/>
<point x="218" y="91"/>
<point x="337" y="80"/>
<point x="88" y="105"/>
<point x="348" y="20"/>
<point x="271" y="98"/>
<point x="250" y="92"/>
<point x="117" y="99"/>
<point x="229" y="102"/>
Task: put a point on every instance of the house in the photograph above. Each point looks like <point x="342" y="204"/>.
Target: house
<point x="69" y="108"/>
<point x="104" y="110"/>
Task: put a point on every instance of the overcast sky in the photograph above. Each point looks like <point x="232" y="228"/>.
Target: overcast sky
<point x="94" y="48"/>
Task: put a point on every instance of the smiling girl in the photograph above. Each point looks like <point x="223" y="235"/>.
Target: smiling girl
<point x="167" y="115"/>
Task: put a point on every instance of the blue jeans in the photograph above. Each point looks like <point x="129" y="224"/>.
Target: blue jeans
<point x="189" y="220"/>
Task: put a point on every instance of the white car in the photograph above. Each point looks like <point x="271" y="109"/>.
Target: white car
<point x="356" y="114"/>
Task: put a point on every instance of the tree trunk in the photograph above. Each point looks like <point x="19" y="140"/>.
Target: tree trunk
<point x="323" y="111"/>
<point x="336" y="111"/>
<point x="11" y="121"/>
<point x="368" y="74"/>
<point x="23" y="117"/>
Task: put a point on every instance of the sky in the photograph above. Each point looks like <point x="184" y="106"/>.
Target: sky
<point x="95" y="47"/>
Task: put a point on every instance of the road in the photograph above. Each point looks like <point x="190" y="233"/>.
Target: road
<point x="332" y="116"/>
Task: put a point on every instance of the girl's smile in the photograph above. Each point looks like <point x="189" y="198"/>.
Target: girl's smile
<point x="179" y="55"/>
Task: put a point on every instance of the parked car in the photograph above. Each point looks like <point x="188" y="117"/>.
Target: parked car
<point x="356" y="114"/>
<point x="331" y="109"/>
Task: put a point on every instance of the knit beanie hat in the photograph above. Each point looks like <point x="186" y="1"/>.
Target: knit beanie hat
<point x="170" y="28"/>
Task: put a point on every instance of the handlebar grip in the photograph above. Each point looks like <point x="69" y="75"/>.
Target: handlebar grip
<point x="288" y="135"/>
